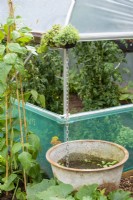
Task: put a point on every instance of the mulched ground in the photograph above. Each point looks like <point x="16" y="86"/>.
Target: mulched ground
<point x="127" y="181"/>
<point x="75" y="104"/>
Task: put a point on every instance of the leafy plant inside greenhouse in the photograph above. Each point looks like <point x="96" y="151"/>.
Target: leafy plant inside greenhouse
<point x="93" y="76"/>
<point x="45" y="77"/>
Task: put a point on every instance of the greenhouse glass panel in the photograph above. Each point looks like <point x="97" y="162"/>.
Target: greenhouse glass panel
<point x="39" y="15"/>
<point x="104" y="19"/>
<point x="91" y="16"/>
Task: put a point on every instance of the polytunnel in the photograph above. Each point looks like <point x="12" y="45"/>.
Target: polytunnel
<point x="95" y="20"/>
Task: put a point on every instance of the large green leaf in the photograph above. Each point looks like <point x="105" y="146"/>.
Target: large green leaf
<point x="2" y="143"/>
<point x="16" y="48"/>
<point x="87" y="198"/>
<point x="25" y="30"/>
<point x="34" y="94"/>
<point x="16" y="147"/>
<point x="10" y="58"/>
<point x="58" y="191"/>
<point x="35" y="189"/>
<point x="8" y="184"/>
<point x="10" y="21"/>
<point x="26" y="160"/>
<point x="4" y="71"/>
<point x="15" y="35"/>
<point x="2" y="88"/>
<point x="27" y="37"/>
<point x="31" y="49"/>
<point x="20" y="195"/>
<point x="34" y="141"/>
<point x="41" y="99"/>
<point x="3" y="152"/>
<point x="20" y="68"/>
<point x="87" y="191"/>
<point x="2" y="35"/>
<point x="34" y="171"/>
<point x="2" y="49"/>
<point x="119" y="195"/>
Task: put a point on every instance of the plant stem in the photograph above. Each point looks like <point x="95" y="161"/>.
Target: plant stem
<point x="15" y="190"/>
<point x="7" y="165"/>
<point x="23" y="107"/>
<point x="21" y="128"/>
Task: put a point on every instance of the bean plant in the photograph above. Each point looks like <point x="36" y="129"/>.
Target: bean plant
<point x="18" y="146"/>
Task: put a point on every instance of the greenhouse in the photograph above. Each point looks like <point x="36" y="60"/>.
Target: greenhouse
<point x="66" y="97"/>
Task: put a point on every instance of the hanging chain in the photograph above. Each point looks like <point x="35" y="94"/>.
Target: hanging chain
<point x="67" y="109"/>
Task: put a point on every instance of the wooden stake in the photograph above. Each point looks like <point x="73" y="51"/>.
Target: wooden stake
<point x="21" y="128"/>
<point x="23" y="107"/>
<point x="6" y="108"/>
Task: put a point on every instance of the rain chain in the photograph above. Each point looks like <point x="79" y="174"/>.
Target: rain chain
<point x="67" y="109"/>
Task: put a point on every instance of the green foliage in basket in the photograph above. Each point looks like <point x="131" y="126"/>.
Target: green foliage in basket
<point x="58" y="36"/>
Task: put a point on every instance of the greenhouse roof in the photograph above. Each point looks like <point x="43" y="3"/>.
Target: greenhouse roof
<point x="94" y="19"/>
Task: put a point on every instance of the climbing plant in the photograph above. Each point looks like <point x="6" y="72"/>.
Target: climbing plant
<point x="18" y="146"/>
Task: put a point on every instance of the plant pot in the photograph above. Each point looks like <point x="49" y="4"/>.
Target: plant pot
<point x="105" y="177"/>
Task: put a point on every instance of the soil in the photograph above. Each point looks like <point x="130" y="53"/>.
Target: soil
<point x="7" y="197"/>
<point x="75" y="104"/>
<point x="127" y="181"/>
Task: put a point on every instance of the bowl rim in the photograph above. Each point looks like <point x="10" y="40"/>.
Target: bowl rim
<point x="53" y="163"/>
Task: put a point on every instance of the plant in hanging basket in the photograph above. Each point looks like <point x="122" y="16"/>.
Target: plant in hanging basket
<point x="59" y="37"/>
